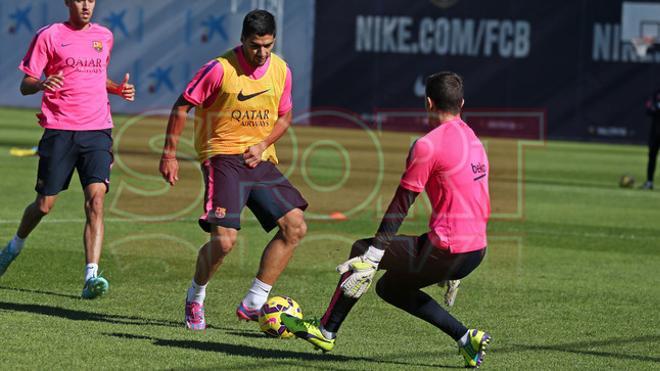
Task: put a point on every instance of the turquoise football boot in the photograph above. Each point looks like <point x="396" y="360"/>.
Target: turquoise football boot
<point x="95" y="287"/>
<point x="6" y="257"/>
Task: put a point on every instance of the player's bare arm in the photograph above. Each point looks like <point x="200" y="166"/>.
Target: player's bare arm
<point x="125" y="90"/>
<point x="252" y="155"/>
<point x="31" y="85"/>
<point x="169" y="166"/>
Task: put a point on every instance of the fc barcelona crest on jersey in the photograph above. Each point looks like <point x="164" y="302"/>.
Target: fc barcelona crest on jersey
<point x="97" y="45"/>
<point x="220" y="212"/>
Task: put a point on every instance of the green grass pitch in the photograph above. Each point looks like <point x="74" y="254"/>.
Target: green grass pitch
<point x="569" y="282"/>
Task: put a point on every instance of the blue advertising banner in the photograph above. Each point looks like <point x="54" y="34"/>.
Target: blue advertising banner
<point x="563" y="58"/>
<point x="161" y="43"/>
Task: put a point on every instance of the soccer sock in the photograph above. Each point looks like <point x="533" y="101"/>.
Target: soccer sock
<point x="196" y="293"/>
<point x="464" y="339"/>
<point x="327" y="334"/>
<point x="257" y="295"/>
<point x="340" y="306"/>
<point x="91" y="271"/>
<point x="421" y="305"/>
<point x="16" y="245"/>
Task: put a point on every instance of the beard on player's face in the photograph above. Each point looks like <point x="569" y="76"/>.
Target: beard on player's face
<point x="257" y="49"/>
<point x="80" y="12"/>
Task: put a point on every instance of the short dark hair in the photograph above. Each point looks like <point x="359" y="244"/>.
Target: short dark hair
<point x="258" y="22"/>
<point x="446" y="91"/>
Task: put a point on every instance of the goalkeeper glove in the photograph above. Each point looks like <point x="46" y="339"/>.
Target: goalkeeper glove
<point x="362" y="268"/>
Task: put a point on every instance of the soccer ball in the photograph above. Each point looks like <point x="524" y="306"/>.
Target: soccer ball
<point x="626" y="181"/>
<point x="269" y="318"/>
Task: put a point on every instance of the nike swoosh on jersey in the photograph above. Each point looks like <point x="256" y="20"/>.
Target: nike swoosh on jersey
<point x="242" y="97"/>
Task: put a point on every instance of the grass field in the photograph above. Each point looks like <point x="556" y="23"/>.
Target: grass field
<point x="570" y="280"/>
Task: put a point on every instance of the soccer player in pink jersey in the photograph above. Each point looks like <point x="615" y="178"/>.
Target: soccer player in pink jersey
<point x="451" y="165"/>
<point x="75" y="115"/>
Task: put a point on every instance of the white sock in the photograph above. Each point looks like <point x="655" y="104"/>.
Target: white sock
<point x="464" y="339"/>
<point x="91" y="271"/>
<point x="328" y="334"/>
<point x="196" y="293"/>
<point x="16" y="245"/>
<point x="257" y="295"/>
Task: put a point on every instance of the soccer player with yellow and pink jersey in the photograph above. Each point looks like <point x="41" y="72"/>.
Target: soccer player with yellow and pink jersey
<point x="75" y="115"/>
<point x="242" y="102"/>
<point x="451" y="165"/>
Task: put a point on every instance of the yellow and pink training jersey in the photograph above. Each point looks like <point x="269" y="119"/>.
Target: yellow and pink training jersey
<point x="237" y="105"/>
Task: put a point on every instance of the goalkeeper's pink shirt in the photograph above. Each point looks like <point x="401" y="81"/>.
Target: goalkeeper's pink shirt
<point x="82" y="56"/>
<point x="451" y="165"/>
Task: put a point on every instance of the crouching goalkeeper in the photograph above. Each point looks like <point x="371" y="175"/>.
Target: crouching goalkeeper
<point x="451" y="165"/>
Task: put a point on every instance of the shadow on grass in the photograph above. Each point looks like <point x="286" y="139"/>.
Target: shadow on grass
<point x="79" y="315"/>
<point x="43" y="292"/>
<point x="262" y="353"/>
<point x="246" y="334"/>
<point x="241" y="350"/>
<point x="584" y="348"/>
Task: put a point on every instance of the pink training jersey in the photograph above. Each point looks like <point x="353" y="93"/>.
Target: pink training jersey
<point x="450" y="163"/>
<point x="205" y="86"/>
<point x="82" y="56"/>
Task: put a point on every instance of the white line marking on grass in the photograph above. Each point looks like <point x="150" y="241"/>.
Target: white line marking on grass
<point x="537" y="232"/>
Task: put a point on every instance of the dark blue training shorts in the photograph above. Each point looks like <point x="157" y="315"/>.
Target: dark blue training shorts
<point x="62" y="151"/>
<point x="231" y="185"/>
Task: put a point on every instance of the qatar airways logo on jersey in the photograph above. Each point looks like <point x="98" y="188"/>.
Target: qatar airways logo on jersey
<point x="252" y="118"/>
<point x="88" y="65"/>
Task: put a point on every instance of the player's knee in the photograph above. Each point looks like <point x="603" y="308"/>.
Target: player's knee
<point x="44" y="205"/>
<point x="392" y="294"/>
<point x="94" y="205"/>
<point x="44" y="209"/>
<point x="299" y="231"/>
<point x="223" y="243"/>
<point x="294" y="234"/>
<point x="293" y="227"/>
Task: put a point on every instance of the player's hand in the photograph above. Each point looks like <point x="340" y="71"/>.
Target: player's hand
<point x="127" y="90"/>
<point x="362" y="268"/>
<point x="252" y="155"/>
<point x="169" y="169"/>
<point x="52" y="82"/>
